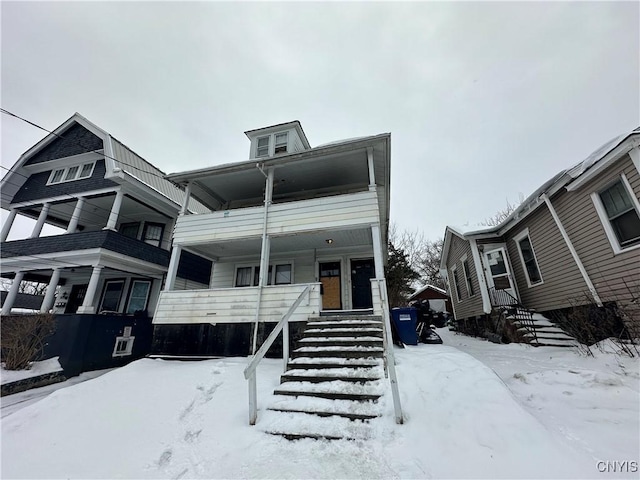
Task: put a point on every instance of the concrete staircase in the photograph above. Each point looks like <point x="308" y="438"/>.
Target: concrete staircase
<point x="333" y="381"/>
<point x="539" y="331"/>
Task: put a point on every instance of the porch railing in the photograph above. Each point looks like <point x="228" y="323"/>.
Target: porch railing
<point x="389" y="359"/>
<point x="506" y="302"/>
<point x="250" y="371"/>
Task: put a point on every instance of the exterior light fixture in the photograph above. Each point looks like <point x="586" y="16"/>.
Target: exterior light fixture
<point x="329" y="241"/>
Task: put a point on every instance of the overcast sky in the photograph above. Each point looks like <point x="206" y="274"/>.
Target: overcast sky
<point x="484" y="101"/>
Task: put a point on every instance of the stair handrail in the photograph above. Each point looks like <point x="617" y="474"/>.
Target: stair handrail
<point x="522" y="312"/>
<point x="250" y="370"/>
<point x="389" y="358"/>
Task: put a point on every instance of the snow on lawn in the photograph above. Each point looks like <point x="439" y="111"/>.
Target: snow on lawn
<point x="170" y="419"/>
<point x="37" y="368"/>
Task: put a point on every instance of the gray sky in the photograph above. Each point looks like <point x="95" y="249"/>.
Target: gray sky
<point x="484" y="101"/>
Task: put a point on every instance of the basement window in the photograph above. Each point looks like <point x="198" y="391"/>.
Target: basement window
<point x="123" y="346"/>
<point x="68" y="174"/>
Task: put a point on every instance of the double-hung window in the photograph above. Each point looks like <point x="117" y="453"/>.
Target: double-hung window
<point x="528" y="258"/>
<point x="619" y="212"/>
<point x="68" y="174"/>
<point x="152" y="233"/>
<point x="456" y="282"/>
<point x="281" y="143"/>
<point x="138" y="295"/>
<point x="280" y="274"/>
<point x="111" y="295"/>
<point x="262" y="149"/>
<point x="467" y="276"/>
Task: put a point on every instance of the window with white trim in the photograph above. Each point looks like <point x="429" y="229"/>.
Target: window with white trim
<point x="68" y="174"/>
<point x="456" y="282"/>
<point x="281" y="142"/>
<point x="152" y="233"/>
<point x="280" y="274"/>
<point x="138" y="296"/>
<point x="467" y="276"/>
<point x="123" y="346"/>
<point x="619" y="213"/>
<point x="262" y="147"/>
<point x="111" y="296"/>
<point x="528" y="258"/>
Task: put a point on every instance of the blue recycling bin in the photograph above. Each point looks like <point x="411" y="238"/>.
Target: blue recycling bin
<point x="405" y="319"/>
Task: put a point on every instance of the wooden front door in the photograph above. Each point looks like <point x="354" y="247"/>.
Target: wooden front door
<point x="362" y="271"/>
<point x="331" y="286"/>
<point x="76" y="297"/>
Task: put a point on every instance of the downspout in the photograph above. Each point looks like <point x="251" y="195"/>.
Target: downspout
<point x="264" y="254"/>
<point x="573" y="251"/>
<point x="484" y="290"/>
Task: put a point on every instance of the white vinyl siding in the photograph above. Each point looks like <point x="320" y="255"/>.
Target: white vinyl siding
<point x="323" y="213"/>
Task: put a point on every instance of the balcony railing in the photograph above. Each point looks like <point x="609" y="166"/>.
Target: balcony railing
<point x="283" y="218"/>
<point x="106" y="239"/>
<point x="236" y="305"/>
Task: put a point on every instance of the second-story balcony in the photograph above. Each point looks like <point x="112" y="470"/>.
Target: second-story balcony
<point x="353" y="210"/>
<point x="30" y="252"/>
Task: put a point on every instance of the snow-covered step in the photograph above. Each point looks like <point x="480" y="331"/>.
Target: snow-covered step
<point x="342" y="331"/>
<point x="337" y="389"/>
<point x="345" y="324"/>
<point x="357" y="375"/>
<point x="323" y="407"/>
<point x="330" y="362"/>
<point x="338" y="351"/>
<point x="549" y="335"/>
<point x="297" y="425"/>
<point x="341" y="341"/>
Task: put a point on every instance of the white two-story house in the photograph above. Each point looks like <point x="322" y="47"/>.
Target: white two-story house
<point x="289" y="218"/>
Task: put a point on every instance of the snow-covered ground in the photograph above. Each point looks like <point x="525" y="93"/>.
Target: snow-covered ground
<point x="548" y="413"/>
<point x="37" y="368"/>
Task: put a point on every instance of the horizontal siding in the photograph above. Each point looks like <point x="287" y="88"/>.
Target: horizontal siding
<point x="561" y="277"/>
<point x="467" y="306"/>
<point x="235" y="305"/>
<point x="303" y="268"/>
<point x="615" y="277"/>
<point x="285" y="218"/>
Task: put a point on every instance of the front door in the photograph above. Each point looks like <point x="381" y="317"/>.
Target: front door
<point x="76" y="297"/>
<point x="362" y="271"/>
<point x="499" y="276"/>
<point x="330" y="279"/>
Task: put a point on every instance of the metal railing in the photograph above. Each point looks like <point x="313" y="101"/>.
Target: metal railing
<point x="503" y="300"/>
<point x="389" y="359"/>
<point x="250" y="371"/>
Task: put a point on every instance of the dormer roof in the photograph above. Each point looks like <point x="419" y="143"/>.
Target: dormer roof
<point x="294" y="124"/>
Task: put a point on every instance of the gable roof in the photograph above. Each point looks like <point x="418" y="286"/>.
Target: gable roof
<point x="570" y="179"/>
<point x="428" y="287"/>
<point x="121" y="164"/>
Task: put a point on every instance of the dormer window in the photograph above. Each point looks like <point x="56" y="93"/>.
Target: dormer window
<point x="281" y="143"/>
<point x="263" y="147"/>
<point x="68" y="174"/>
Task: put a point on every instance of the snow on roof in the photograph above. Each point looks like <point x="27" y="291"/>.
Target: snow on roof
<point x="599" y="154"/>
<point x="345" y="140"/>
<point x="432" y="287"/>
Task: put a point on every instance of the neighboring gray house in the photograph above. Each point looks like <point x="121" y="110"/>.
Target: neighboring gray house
<point x="291" y="216"/>
<point x="575" y="241"/>
<point x="117" y="212"/>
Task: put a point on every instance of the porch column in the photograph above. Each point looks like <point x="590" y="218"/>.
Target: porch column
<point x="75" y="217"/>
<point x="12" y="295"/>
<point x="115" y="211"/>
<point x="50" y="296"/>
<point x="172" y="271"/>
<point x="185" y="203"/>
<point x="87" y="305"/>
<point x="377" y="250"/>
<point x="41" y="219"/>
<point x="8" y="224"/>
<point x="264" y="253"/>
<point x="372" y="174"/>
